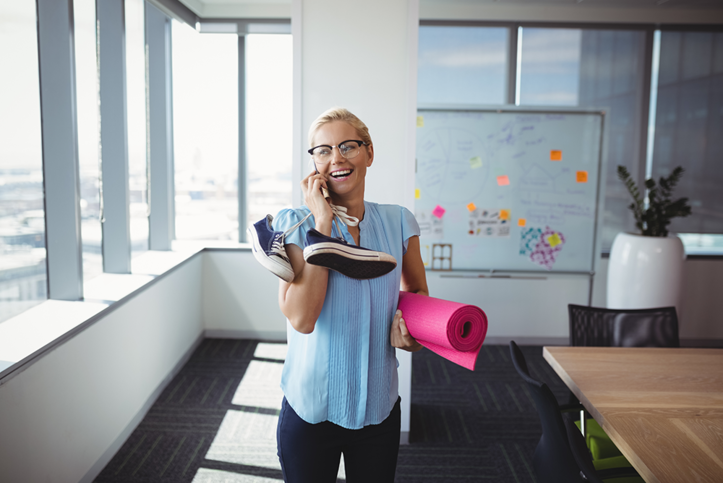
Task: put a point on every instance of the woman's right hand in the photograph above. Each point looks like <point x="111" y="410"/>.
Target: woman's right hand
<point x="314" y="199"/>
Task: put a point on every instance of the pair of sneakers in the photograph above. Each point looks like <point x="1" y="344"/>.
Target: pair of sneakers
<point x="333" y="253"/>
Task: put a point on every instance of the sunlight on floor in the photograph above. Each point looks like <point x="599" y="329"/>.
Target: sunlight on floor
<point x="205" y="475"/>
<point x="246" y="437"/>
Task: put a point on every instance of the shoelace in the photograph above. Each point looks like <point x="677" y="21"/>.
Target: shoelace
<point x="340" y="213"/>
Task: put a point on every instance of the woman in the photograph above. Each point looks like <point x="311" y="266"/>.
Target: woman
<point x="340" y="375"/>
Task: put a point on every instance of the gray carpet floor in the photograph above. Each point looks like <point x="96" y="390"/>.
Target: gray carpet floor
<point x="216" y="421"/>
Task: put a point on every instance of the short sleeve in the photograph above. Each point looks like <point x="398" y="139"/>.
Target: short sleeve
<point x="410" y="227"/>
<point x="289" y="217"/>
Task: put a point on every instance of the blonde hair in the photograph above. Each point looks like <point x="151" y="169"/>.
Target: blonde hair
<point x="340" y="114"/>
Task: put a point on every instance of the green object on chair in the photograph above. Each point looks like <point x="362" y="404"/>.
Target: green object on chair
<point x="597" y="441"/>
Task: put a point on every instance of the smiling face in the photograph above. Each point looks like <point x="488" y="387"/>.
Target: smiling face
<point x="345" y="177"/>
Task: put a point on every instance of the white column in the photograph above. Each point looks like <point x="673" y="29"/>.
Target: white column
<point x="362" y="56"/>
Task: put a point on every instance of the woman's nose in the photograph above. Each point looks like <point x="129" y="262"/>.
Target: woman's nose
<point x="336" y="156"/>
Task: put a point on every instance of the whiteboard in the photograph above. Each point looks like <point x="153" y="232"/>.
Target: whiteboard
<point x="509" y="190"/>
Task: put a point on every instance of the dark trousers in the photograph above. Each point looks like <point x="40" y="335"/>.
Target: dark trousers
<point x="310" y="453"/>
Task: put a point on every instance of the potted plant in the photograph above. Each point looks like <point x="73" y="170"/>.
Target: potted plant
<point x="646" y="268"/>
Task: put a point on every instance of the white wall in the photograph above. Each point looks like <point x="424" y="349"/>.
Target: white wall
<point x="240" y="300"/>
<point x="240" y="297"/>
<point x="69" y="411"/>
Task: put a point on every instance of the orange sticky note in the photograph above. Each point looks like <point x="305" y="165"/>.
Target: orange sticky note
<point x="556" y="155"/>
<point x="521" y="222"/>
<point x="504" y="214"/>
<point x="416" y="193"/>
<point x="554" y="240"/>
<point x="471" y="207"/>
<point x="581" y="177"/>
<point x="503" y="180"/>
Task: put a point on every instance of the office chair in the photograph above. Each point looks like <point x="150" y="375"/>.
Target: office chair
<point x="599" y="327"/>
<point x="554" y="460"/>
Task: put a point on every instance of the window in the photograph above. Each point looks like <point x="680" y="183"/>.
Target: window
<point x="23" y="275"/>
<point x="136" y="115"/>
<point x="87" y="99"/>
<point x="689" y="128"/>
<point x="269" y="124"/>
<point x="205" y="125"/>
<point x="462" y="65"/>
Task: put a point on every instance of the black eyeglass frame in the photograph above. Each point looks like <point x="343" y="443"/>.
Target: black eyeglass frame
<point x="331" y="148"/>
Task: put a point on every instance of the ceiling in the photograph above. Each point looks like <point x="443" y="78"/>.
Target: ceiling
<point x="455" y="9"/>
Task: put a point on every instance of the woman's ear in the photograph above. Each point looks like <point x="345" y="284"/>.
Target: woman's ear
<point x="370" y="157"/>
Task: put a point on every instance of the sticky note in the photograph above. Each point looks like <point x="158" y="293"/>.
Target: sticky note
<point x="555" y="155"/>
<point x="581" y="177"/>
<point x="438" y="211"/>
<point x="521" y="222"/>
<point x="475" y="162"/>
<point x="503" y="180"/>
<point x="416" y="193"/>
<point x="504" y="214"/>
<point x="471" y="207"/>
<point x="554" y="240"/>
<point x="420" y="121"/>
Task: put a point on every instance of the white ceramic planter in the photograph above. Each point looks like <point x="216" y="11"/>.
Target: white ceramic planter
<point x="645" y="272"/>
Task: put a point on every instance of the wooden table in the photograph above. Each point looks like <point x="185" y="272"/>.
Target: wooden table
<point x="663" y="408"/>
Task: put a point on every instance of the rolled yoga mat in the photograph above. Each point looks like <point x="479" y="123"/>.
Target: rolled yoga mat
<point x="454" y="331"/>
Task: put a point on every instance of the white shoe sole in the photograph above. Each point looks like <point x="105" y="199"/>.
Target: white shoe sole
<point x="280" y="269"/>
<point x="349" y="260"/>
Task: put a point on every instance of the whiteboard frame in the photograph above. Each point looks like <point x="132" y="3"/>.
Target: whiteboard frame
<point x="601" y="175"/>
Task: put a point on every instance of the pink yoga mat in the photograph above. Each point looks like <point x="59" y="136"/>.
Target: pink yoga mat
<point x="454" y="331"/>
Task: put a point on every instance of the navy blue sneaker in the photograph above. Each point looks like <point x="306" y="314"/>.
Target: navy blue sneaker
<point x="350" y="260"/>
<point x="268" y="248"/>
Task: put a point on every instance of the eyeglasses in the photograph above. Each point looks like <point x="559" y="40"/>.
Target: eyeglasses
<point x="348" y="149"/>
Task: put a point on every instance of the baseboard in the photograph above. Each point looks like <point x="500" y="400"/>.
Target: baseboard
<point x="505" y="340"/>
<point x="103" y="461"/>
<point x="265" y="335"/>
<point x="404" y="437"/>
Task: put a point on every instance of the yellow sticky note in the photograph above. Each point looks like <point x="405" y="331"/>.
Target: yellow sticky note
<point x="475" y="162"/>
<point x="556" y="155"/>
<point x="504" y="214"/>
<point x="471" y="207"/>
<point x="503" y="180"/>
<point x="554" y="240"/>
<point x="521" y="222"/>
<point x="581" y="177"/>
<point x="416" y="193"/>
<point x="420" y="121"/>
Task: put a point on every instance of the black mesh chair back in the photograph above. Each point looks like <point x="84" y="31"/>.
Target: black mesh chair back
<point x="594" y="326"/>
<point x="553" y="460"/>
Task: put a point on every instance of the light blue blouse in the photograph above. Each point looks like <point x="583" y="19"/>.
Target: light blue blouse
<point x="345" y="371"/>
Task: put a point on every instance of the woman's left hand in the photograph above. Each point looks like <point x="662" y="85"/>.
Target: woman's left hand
<point x="400" y="336"/>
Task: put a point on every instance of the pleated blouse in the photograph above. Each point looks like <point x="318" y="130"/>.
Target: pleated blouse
<point x="345" y="371"/>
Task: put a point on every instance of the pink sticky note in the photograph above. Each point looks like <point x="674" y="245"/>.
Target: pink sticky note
<point x="503" y="180"/>
<point x="438" y="211"/>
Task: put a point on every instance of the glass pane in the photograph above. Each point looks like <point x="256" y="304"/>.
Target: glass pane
<point x="689" y="123"/>
<point x="596" y="69"/>
<point x="136" y="115"/>
<point x="205" y="125"/>
<point x="269" y="124"/>
<point x="611" y="78"/>
<point x="462" y="65"/>
<point x="23" y="275"/>
<point x="87" y="94"/>
<point x="549" y="66"/>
